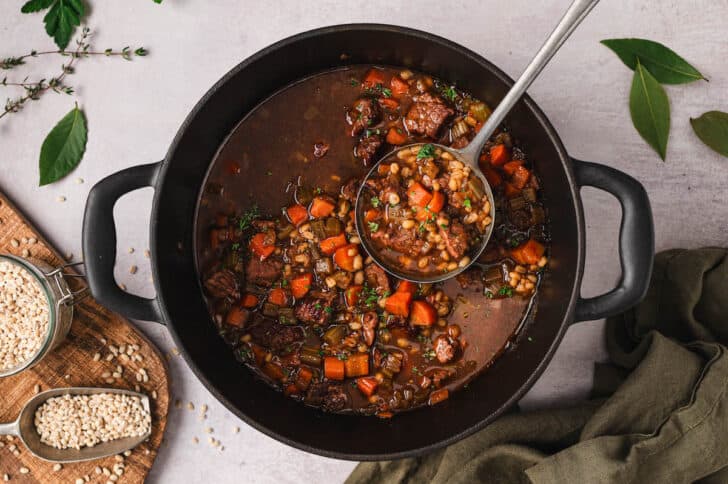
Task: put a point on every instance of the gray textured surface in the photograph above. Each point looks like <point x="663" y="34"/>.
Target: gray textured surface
<point x="135" y="108"/>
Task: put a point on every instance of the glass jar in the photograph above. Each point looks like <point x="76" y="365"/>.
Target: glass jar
<point x="60" y="299"/>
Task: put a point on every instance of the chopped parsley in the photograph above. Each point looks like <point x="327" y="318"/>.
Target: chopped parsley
<point x="373" y="226"/>
<point x="353" y="82"/>
<point x="342" y="356"/>
<point x="245" y="220"/>
<point x="429" y="355"/>
<point x="235" y="246"/>
<point x="284" y="283"/>
<point x="415" y="370"/>
<point x="375" y="202"/>
<point x="246" y="353"/>
<point x="421" y="228"/>
<point x="450" y="93"/>
<point x="489" y="294"/>
<point x="386" y="92"/>
<point x="505" y="291"/>
<point x="328" y="309"/>
<point x="427" y="151"/>
<point x="269" y="173"/>
<point x="466" y="203"/>
<point x="370" y="132"/>
<point x="317" y="306"/>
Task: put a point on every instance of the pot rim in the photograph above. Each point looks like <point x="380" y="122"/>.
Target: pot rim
<point x="553" y="138"/>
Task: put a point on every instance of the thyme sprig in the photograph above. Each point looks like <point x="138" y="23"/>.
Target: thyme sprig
<point x="34" y="90"/>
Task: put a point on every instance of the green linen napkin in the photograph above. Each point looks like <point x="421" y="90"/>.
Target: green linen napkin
<point x="659" y="411"/>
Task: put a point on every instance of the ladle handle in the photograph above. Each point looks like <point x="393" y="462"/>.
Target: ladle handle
<point x="578" y="10"/>
<point x="11" y="428"/>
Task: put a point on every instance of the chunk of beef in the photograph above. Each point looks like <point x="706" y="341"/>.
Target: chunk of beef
<point x="472" y="278"/>
<point x="367" y="147"/>
<point x="363" y="114"/>
<point x="405" y="241"/>
<point x="377" y="278"/>
<point x="223" y="284"/>
<point x="350" y="189"/>
<point x="393" y="362"/>
<point x="369" y="322"/>
<point x="264" y="225"/>
<point x="314" y="310"/>
<point x="456" y="241"/>
<point x="438" y="375"/>
<point x="427" y="115"/>
<point x="263" y="273"/>
<point x="445" y="348"/>
<point x="331" y="397"/>
<point x="275" y="336"/>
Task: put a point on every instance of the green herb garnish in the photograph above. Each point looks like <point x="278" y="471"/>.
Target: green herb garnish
<point x="353" y="82"/>
<point x="328" y="309"/>
<point x="342" y="356"/>
<point x="489" y="294"/>
<point x="373" y="226"/>
<point x="386" y="92"/>
<point x="466" y="203"/>
<point x="505" y="291"/>
<point x="235" y="246"/>
<point x="245" y="220"/>
<point x="450" y="93"/>
<point x="427" y="151"/>
<point x="429" y="355"/>
<point x="375" y="202"/>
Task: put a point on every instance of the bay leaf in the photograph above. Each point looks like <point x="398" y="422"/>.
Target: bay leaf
<point x="650" y="109"/>
<point x="662" y="62"/>
<point x="63" y="148"/>
<point x="712" y="129"/>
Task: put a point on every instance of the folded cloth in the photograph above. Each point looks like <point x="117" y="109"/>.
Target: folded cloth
<point x="659" y="411"/>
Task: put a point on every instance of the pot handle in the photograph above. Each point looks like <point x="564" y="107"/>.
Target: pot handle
<point x="99" y="242"/>
<point x="636" y="240"/>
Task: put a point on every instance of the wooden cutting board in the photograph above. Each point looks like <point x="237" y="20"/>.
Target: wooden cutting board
<point x="72" y="364"/>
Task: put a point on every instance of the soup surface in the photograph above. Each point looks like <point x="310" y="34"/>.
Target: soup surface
<point x="287" y="282"/>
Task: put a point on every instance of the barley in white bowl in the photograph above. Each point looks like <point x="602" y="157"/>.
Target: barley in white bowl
<point x="75" y="421"/>
<point x="24" y="315"/>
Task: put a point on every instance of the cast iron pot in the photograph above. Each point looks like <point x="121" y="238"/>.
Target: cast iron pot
<point x="177" y="181"/>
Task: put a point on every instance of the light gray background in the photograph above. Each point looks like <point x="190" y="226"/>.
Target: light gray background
<point x="135" y="108"/>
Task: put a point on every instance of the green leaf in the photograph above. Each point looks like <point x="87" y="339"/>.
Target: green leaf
<point x="36" y="5"/>
<point x="662" y="62"/>
<point x="650" y="110"/>
<point x="712" y="129"/>
<point x="62" y="19"/>
<point x="157" y="1"/>
<point x="63" y="148"/>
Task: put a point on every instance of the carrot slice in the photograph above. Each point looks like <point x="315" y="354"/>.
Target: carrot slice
<point x="249" y="301"/>
<point x="277" y="296"/>
<point x="259" y="247"/>
<point x="511" y="167"/>
<point x="371" y="215"/>
<point x="303" y="380"/>
<point x="389" y="103"/>
<point x="407" y="286"/>
<point x="343" y="259"/>
<point x="398" y="303"/>
<point x="493" y="177"/>
<point x="512" y="190"/>
<point x="530" y="252"/>
<point x="321" y="207"/>
<point x="301" y="284"/>
<point x="372" y="78"/>
<point x="418" y="195"/>
<point x="357" y="365"/>
<point x="438" y="396"/>
<point x="258" y="353"/>
<point x="436" y="204"/>
<point x="291" y="389"/>
<point x="237" y="316"/>
<point x="520" y="177"/>
<point x="367" y="385"/>
<point x="273" y="371"/>
<point x="333" y="368"/>
<point x="352" y="295"/>
<point x="297" y="214"/>
<point x="328" y="246"/>
<point x="498" y="155"/>
<point x="395" y="136"/>
<point x="422" y="314"/>
<point x="383" y="168"/>
<point x="399" y="86"/>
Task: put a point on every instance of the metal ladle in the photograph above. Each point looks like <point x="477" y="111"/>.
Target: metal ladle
<point x="24" y="428"/>
<point x="578" y="10"/>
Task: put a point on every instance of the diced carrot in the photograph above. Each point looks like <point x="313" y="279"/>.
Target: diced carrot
<point x="277" y="296"/>
<point x="511" y="167"/>
<point x="418" y="195"/>
<point x="259" y="246"/>
<point x="494" y="178"/>
<point x="383" y="168"/>
<point x="352" y="295"/>
<point x="297" y="214"/>
<point x="273" y="371"/>
<point x="249" y="300"/>
<point x="438" y="396"/>
<point x="258" y="353"/>
<point x="303" y="380"/>
<point x="357" y="365"/>
<point x="291" y="389"/>
<point x="499" y="155"/>
<point x="372" y="78"/>
<point x="384" y="414"/>
<point x="398" y="303"/>
<point x="329" y="245"/>
<point x="352" y="214"/>
<point x="343" y="259"/>
<point x="214" y="239"/>
<point x="422" y="314"/>
<point x="371" y="215"/>
<point x="389" y="103"/>
<point x="530" y="252"/>
<point x="478" y="126"/>
<point x="395" y="136"/>
<point x="367" y="385"/>
<point x="399" y="86"/>
<point x="520" y="177"/>
<point x="236" y="316"/>
<point x="301" y="284"/>
<point x="333" y="368"/>
<point x="512" y="190"/>
<point x="436" y="204"/>
<point x="407" y="286"/>
<point x="321" y="207"/>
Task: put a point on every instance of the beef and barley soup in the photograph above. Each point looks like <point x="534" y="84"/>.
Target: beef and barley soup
<point x="290" y="287"/>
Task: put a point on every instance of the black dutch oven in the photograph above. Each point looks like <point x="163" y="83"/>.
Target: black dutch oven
<point x="177" y="181"/>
